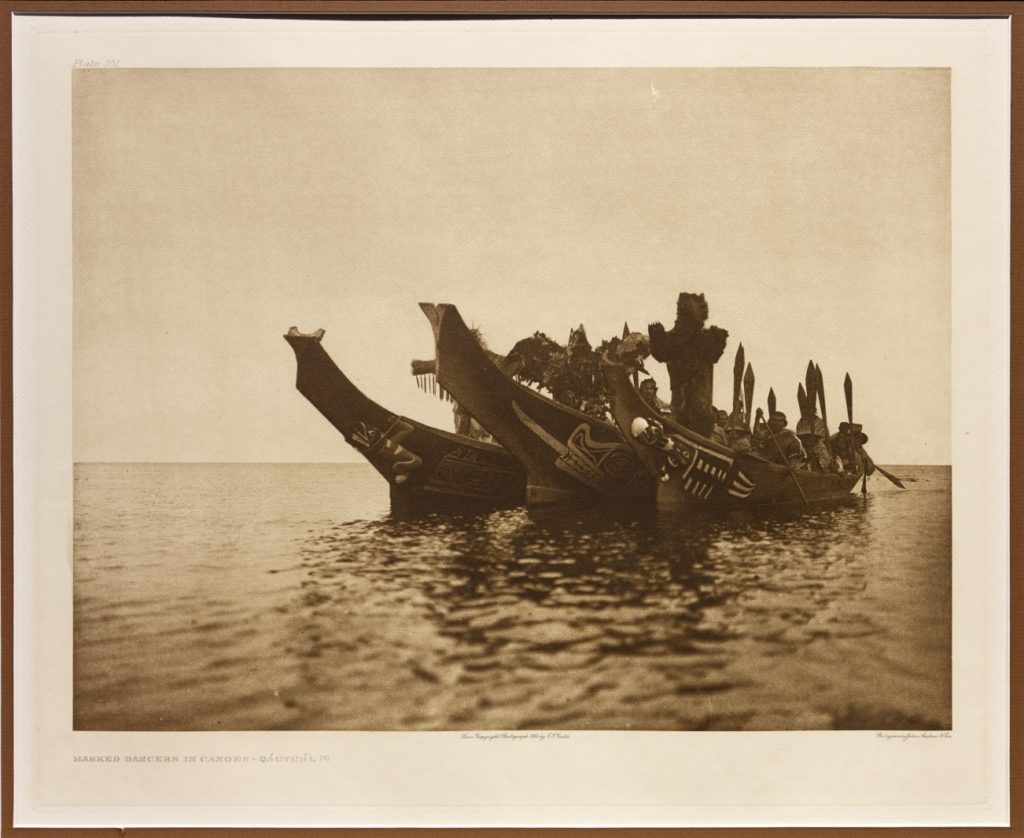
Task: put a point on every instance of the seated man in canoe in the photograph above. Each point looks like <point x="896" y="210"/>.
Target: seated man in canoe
<point x="738" y="436"/>
<point x="777" y="443"/>
<point x="649" y="393"/>
<point x="848" y="446"/>
<point x="719" y="433"/>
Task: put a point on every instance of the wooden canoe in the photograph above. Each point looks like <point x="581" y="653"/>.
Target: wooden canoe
<point x="423" y="466"/>
<point x="567" y="454"/>
<point x="705" y="473"/>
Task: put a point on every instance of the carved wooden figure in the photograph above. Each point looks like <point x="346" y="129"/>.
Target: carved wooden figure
<point x="690" y="350"/>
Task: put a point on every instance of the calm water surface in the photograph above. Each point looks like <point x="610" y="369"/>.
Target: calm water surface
<point x="234" y="596"/>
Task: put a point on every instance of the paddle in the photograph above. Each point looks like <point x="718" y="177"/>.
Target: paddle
<point x="894" y="480"/>
<point x="819" y="387"/>
<point x="748" y="393"/>
<point x="848" y="392"/>
<point x="810" y="381"/>
<point x="848" y="389"/>
<point x="771" y="402"/>
<point x="737" y="383"/>
<point x="801" y="400"/>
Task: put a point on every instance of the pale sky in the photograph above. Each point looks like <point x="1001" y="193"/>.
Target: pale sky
<point x="213" y="209"/>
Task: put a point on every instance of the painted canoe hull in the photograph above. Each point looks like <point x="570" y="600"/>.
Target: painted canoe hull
<point x="568" y="455"/>
<point x="423" y="466"/>
<point x="710" y="475"/>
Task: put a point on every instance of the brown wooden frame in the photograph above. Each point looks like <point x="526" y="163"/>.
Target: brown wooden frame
<point x="519" y="8"/>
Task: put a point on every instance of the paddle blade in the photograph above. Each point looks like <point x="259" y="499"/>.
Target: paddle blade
<point x="625" y="330"/>
<point x="739" y="364"/>
<point x="801" y="399"/>
<point x="848" y="389"/>
<point x="737" y="381"/>
<point x="748" y="393"/>
<point x="891" y="478"/>
<point x="811" y="390"/>
<point x="771" y="402"/>
<point x="819" y="387"/>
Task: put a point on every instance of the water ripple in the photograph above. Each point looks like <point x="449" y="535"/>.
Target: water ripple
<point x="268" y="611"/>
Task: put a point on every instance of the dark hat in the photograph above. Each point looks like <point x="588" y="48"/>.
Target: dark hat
<point x="844" y="427"/>
<point x="649" y="382"/>
<point x="780" y="416"/>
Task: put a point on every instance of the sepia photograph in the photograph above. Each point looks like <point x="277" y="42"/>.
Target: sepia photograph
<point x="587" y="362"/>
<point x="463" y="422"/>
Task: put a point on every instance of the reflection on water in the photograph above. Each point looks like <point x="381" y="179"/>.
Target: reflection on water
<point x="546" y="620"/>
<point x="789" y="619"/>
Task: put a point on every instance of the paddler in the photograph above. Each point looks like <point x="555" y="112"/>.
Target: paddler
<point x="779" y="444"/>
<point x="738" y="438"/>
<point x="737" y="434"/>
<point x="811" y="431"/>
<point x="718" y="433"/>
<point x="860" y="439"/>
<point x="649" y="393"/>
<point x="848" y="446"/>
<point x="817" y="453"/>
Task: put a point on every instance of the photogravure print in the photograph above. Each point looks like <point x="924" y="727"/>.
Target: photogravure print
<point x="549" y="544"/>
